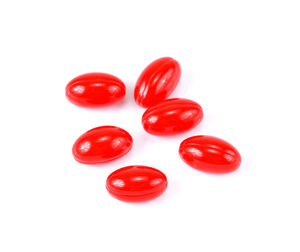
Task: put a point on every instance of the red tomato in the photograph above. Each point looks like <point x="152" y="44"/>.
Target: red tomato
<point x="210" y="154"/>
<point x="95" y="89"/>
<point x="102" y="144"/>
<point x="172" y="116"/>
<point x="157" y="82"/>
<point x="136" y="183"/>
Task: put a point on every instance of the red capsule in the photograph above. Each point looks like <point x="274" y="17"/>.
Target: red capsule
<point x="157" y="82"/>
<point x="102" y="144"/>
<point x="95" y="89"/>
<point x="172" y="116"/>
<point x="210" y="154"/>
<point x="136" y="183"/>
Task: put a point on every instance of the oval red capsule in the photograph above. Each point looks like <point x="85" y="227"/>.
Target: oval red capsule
<point x="136" y="183"/>
<point x="95" y="89"/>
<point x="172" y="116"/>
<point x="157" y="82"/>
<point x="210" y="154"/>
<point x="102" y="144"/>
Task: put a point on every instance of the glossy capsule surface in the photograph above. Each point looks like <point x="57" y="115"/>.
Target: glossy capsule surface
<point x="95" y="89"/>
<point x="102" y="144"/>
<point x="157" y="82"/>
<point x="172" y="116"/>
<point x="210" y="154"/>
<point x="136" y="183"/>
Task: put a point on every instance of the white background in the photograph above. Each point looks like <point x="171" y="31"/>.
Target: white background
<point x="240" y="60"/>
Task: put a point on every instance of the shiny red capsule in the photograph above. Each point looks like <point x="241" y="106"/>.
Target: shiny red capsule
<point x="172" y="116"/>
<point x="95" y="89"/>
<point x="102" y="144"/>
<point x="136" y="183"/>
<point x="157" y="82"/>
<point x="210" y="154"/>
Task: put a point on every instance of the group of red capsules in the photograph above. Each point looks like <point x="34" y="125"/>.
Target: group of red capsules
<point x="162" y="117"/>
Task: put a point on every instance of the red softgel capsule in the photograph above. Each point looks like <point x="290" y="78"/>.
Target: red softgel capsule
<point x="95" y="89"/>
<point x="172" y="116"/>
<point x="102" y="144"/>
<point x="210" y="154"/>
<point x="136" y="183"/>
<point x="157" y="82"/>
